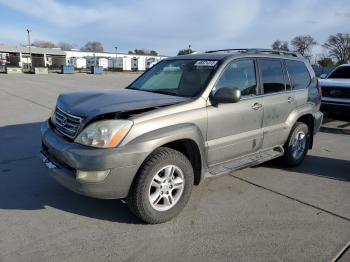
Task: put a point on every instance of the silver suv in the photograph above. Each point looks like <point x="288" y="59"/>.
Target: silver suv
<point x="187" y="118"/>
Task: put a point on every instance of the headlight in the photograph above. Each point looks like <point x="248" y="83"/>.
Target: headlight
<point x="105" y="133"/>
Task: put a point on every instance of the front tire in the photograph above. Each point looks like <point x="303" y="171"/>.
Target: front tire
<point x="162" y="186"/>
<point x="297" y="145"/>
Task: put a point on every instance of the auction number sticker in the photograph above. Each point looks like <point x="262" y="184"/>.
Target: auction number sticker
<point x="209" y="63"/>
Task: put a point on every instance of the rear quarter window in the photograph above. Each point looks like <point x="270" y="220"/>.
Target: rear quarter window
<point x="298" y="73"/>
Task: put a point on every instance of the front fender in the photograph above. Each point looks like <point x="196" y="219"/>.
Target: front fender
<point x="152" y="140"/>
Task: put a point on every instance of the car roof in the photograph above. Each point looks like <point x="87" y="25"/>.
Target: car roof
<point x="231" y="53"/>
<point x="201" y="56"/>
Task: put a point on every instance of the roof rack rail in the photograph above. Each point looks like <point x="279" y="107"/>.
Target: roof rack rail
<point x="256" y="51"/>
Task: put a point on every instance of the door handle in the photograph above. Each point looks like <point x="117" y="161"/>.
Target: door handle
<point x="290" y="99"/>
<point x="257" y="106"/>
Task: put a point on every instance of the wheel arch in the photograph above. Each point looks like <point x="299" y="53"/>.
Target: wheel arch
<point x="308" y="119"/>
<point x="185" y="138"/>
<point x="191" y="150"/>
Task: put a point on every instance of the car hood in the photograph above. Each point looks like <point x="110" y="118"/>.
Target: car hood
<point x="89" y="104"/>
<point x="335" y="82"/>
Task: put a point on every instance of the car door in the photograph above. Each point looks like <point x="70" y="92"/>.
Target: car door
<point x="235" y="129"/>
<point x="278" y="101"/>
<point x="300" y="79"/>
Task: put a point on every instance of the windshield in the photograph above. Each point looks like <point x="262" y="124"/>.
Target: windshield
<point x="341" y="72"/>
<point x="186" y="78"/>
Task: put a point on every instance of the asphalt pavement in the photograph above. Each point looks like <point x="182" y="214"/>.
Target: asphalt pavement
<point x="264" y="213"/>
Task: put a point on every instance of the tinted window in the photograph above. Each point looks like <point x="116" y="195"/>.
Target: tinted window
<point x="239" y="74"/>
<point x="298" y="73"/>
<point x="272" y="76"/>
<point x="341" y="72"/>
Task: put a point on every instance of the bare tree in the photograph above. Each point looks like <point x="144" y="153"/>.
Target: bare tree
<point x="43" y="44"/>
<point x="280" y="45"/>
<point x="93" y="46"/>
<point x="339" y="47"/>
<point x="303" y="44"/>
<point x="65" y="46"/>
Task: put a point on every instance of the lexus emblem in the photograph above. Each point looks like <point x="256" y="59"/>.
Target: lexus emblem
<point x="64" y="121"/>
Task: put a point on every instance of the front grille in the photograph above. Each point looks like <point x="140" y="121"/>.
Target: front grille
<point x="336" y="92"/>
<point x="67" y="124"/>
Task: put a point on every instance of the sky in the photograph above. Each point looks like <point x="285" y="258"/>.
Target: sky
<point x="168" y="26"/>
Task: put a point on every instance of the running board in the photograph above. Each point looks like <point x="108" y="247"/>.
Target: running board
<point x="245" y="161"/>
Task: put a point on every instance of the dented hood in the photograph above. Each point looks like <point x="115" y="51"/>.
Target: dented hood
<point x="90" y="104"/>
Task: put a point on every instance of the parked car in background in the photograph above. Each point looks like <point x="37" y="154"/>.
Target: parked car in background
<point x="186" y="118"/>
<point x="336" y="90"/>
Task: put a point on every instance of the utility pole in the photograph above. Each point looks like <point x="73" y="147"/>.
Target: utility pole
<point x="116" y="56"/>
<point x="30" y="50"/>
<point x="116" y="51"/>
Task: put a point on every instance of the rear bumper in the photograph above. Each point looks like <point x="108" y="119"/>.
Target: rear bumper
<point x="63" y="158"/>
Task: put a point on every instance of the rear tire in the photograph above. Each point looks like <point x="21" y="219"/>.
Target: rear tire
<point x="297" y="145"/>
<point x="162" y="186"/>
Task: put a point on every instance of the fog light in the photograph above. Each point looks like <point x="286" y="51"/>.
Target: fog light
<point x="92" y="176"/>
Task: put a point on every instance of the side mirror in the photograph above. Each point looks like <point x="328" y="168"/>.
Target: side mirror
<point x="226" y="95"/>
<point x="323" y="76"/>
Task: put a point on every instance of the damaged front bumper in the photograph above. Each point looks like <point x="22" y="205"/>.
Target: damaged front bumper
<point x="64" y="160"/>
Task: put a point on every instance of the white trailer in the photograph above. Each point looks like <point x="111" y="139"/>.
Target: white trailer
<point x="4" y="58"/>
<point x="115" y="63"/>
<point x="134" y="64"/>
<point x="78" y="62"/>
<point x="151" y="61"/>
<point x="97" y="61"/>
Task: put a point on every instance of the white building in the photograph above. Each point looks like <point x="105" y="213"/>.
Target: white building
<point x="130" y="62"/>
<point x="25" y="57"/>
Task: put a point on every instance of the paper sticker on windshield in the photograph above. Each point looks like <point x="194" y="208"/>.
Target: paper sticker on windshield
<point x="209" y="63"/>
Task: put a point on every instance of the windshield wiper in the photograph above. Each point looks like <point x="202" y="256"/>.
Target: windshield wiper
<point x="158" y="91"/>
<point x="164" y="92"/>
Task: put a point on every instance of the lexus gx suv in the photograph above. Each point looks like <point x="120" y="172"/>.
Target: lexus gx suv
<point x="187" y="118"/>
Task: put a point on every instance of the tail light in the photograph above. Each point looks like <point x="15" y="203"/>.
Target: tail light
<point x="319" y="90"/>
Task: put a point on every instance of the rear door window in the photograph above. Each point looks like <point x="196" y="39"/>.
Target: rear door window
<point x="272" y="76"/>
<point x="298" y="73"/>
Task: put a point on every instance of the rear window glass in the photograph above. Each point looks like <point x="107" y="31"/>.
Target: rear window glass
<point x="272" y="76"/>
<point x="299" y="74"/>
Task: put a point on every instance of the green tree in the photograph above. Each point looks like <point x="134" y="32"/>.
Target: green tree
<point x="325" y="62"/>
<point x="185" y="51"/>
<point x="143" y="52"/>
